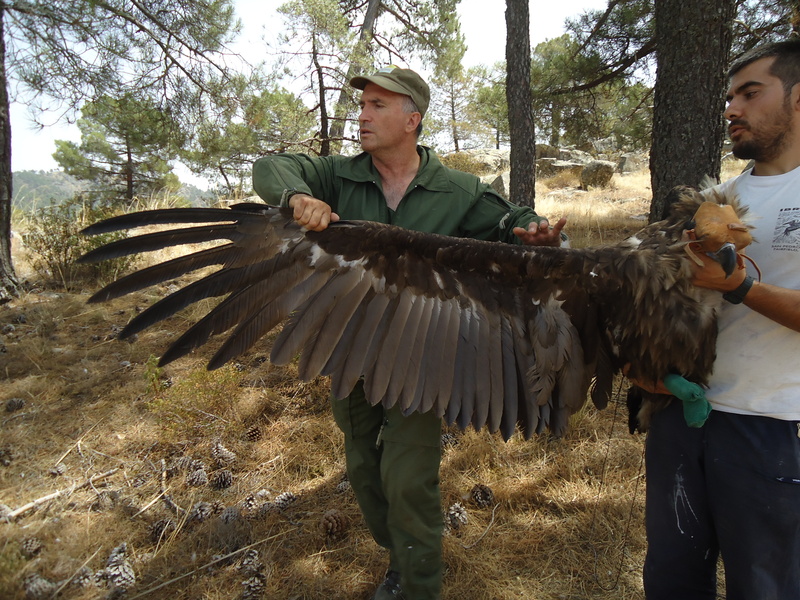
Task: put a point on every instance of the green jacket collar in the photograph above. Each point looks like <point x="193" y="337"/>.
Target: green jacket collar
<point x="432" y="174"/>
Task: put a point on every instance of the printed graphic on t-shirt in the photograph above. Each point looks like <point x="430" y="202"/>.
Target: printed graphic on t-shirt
<point x="787" y="230"/>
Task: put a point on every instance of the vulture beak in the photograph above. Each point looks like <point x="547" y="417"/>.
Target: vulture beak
<point x="719" y="233"/>
<point x="727" y="257"/>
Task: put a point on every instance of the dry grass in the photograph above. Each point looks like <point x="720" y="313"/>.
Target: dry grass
<point x="568" y="513"/>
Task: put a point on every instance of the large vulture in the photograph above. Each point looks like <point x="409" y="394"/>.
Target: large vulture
<point x="482" y="333"/>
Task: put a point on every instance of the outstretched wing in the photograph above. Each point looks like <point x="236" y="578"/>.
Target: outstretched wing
<point x="481" y="333"/>
<point x="471" y="330"/>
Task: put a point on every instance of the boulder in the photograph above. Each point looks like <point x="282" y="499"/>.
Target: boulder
<point x="574" y="155"/>
<point x="631" y="162"/>
<point x="490" y="160"/>
<point x="502" y="184"/>
<point x="549" y="167"/>
<point x="605" y="145"/>
<point x="597" y="173"/>
<point x="547" y="151"/>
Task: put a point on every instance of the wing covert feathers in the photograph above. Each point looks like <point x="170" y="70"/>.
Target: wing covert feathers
<point x="482" y="334"/>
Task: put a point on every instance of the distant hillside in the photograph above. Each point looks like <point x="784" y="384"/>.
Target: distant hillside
<point x="35" y="189"/>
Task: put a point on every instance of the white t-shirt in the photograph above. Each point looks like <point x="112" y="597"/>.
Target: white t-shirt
<point x="757" y="370"/>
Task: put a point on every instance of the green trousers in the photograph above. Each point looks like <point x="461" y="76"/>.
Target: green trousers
<point x="393" y="467"/>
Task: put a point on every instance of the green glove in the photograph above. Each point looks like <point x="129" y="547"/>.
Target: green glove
<point x="695" y="406"/>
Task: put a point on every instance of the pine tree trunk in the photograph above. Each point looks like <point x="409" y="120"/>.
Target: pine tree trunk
<point x="520" y="103"/>
<point x="693" y="41"/>
<point x="325" y="140"/>
<point x="9" y="286"/>
<point x="343" y="104"/>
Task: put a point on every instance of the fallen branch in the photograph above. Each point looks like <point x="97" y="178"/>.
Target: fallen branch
<point x="485" y="531"/>
<point x="30" y="505"/>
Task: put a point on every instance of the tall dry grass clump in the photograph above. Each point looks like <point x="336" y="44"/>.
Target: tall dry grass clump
<point x="193" y="470"/>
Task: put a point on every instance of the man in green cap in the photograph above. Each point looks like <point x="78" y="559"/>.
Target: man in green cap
<point x="393" y="459"/>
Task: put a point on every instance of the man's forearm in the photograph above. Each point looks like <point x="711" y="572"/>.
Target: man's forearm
<point x="782" y="305"/>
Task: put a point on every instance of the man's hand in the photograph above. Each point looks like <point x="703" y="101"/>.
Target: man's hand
<point x="541" y="234"/>
<point x="311" y="213"/>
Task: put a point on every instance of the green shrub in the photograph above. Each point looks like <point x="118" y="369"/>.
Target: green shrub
<point x="55" y="242"/>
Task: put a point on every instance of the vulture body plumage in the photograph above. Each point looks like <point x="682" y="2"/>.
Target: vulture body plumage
<point x="481" y="333"/>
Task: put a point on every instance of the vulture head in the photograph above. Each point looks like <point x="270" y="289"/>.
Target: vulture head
<point x="482" y="333"/>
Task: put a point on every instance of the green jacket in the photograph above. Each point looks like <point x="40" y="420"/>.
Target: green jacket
<point x="439" y="199"/>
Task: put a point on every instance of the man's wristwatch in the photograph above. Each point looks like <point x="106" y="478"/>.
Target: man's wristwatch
<point x="287" y="194"/>
<point x="737" y="296"/>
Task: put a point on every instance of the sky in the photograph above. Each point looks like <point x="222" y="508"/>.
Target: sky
<point x="484" y="30"/>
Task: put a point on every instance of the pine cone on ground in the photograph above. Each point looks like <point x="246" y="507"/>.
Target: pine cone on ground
<point x="31" y="546"/>
<point x="201" y="511"/>
<point x="161" y="529"/>
<point x="344" y="485"/>
<point x="449" y="440"/>
<point x="37" y="587"/>
<point x="251" y="563"/>
<point x="14" y="404"/>
<point x="249" y="506"/>
<point x="222" y="456"/>
<point x="221" y="479"/>
<point x="230" y="514"/>
<point x="456" y="516"/>
<point x="254" y="587"/>
<point x="284" y="500"/>
<point x="118" y="572"/>
<point x="179" y="465"/>
<point x="57" y="470"/>
<point x="482" y="495"/>
<point x="334" y="524"/>
<point x="83" y="578"/>
<point x="253" y="434"/>
<point x="197" y="478"/>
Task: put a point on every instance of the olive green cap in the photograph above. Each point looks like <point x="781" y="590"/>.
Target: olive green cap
<point x="400" y="81"/>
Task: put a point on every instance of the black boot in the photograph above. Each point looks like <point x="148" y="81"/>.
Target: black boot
<point x="390" y="588"/>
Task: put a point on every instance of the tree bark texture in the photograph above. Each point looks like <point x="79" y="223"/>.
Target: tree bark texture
<point x="693" y="42"/>
<point x="343" y="104"/>
<point x="9" y="286"/>
<point x="520" y="103"/>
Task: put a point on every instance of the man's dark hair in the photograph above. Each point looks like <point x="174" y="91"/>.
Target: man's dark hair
<point x="786" y="66"/>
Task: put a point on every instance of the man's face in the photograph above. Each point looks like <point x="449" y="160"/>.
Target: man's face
<point x="759" y="112"/>
<point x="383" y="122"/>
